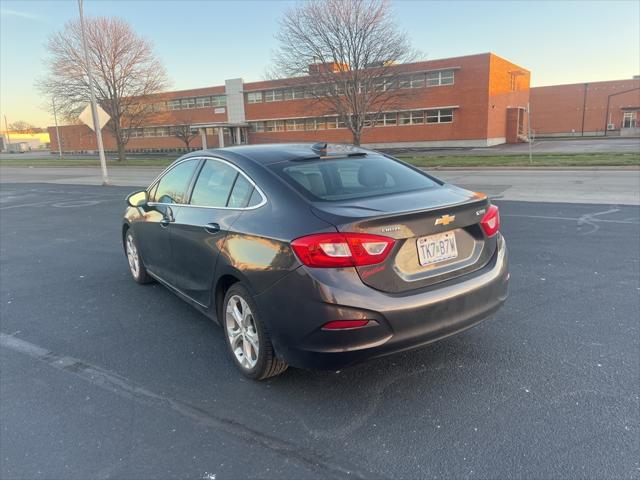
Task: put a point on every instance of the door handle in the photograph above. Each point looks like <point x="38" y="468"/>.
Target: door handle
<point x="212" y="227"/>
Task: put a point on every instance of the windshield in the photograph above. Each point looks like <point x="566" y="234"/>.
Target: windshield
<point x="352" y="178"/>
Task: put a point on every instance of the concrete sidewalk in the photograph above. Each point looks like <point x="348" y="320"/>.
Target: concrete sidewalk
<point x="572" y="186"/>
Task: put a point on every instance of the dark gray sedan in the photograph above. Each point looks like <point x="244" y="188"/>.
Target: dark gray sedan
<point x="317" y="256"/>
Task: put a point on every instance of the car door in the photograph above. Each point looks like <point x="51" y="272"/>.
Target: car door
<point x="219" y="194"/>
<point x="153" y="232"/>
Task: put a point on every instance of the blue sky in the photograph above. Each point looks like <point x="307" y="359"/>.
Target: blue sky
<point x="202" y="43"/>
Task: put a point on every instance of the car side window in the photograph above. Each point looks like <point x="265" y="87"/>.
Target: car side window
<point x="173" y="186"/>
<point x="214" y="184"/>
<point x="241" y="193"/>
<point x="255" y="199"/>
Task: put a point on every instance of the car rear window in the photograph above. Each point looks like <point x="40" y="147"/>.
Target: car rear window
<point x="351" y="178"/>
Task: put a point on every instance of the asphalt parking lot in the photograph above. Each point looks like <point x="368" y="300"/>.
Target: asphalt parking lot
<point x="102" y="378"/>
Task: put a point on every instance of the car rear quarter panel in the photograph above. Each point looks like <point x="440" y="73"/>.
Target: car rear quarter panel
<point x="257" y="249"/>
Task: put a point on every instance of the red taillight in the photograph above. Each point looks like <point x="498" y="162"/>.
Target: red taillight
<point x="491" y="221"/>
<point x="327" y="250"/>
<point x="344" y="324"/>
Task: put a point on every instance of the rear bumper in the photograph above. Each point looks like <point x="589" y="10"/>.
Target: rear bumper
<point x="296" y="307"/>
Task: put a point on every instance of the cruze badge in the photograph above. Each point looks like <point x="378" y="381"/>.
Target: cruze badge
<point x="445" y="219"/>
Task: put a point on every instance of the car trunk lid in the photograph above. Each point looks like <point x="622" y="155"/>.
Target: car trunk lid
<point x="437" y="232"/>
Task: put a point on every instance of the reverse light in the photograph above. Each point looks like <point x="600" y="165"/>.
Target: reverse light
<point x="344" y="324"/>
<point x="335" y="250"/>
<point x="490" y="223"/>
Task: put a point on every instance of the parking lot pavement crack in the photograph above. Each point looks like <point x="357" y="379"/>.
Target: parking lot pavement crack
<point x="126" y="388"/>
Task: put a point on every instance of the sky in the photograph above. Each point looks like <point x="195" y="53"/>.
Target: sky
<point x="202" y="43"/>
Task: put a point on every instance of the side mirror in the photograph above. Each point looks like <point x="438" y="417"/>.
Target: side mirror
<point x="138" y="199"/>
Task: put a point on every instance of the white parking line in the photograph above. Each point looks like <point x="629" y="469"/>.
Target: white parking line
<point x="574" y="219"/>
<point x="124" y="387"/>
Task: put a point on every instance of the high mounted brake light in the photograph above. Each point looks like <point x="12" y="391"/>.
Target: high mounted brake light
<point x="335" y="250"/>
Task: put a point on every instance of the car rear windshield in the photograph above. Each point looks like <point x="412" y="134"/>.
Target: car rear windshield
<point x="351" y="178"/>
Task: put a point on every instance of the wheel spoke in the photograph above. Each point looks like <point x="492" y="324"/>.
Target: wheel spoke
<point x="252" y="339"/>
<point x="237" y="315"/>
<point x="234" y="337"/>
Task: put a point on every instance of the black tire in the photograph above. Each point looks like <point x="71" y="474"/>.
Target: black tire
<point x="266" y="364"/>
<point x="139" y="274"/>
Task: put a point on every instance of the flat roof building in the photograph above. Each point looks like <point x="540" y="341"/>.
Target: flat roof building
<point x="587" y="109"/>
<point x="471" y="101"/>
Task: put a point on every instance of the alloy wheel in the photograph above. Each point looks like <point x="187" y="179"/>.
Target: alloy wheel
<point x="242" y="332"/>
<point x="132" y="256"/>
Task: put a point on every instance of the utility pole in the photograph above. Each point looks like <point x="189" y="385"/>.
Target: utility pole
<point x="55" y="119"/>
<point x="6" y="128"/>
<point x="529" y="132"/>
<point x="94" y="108"/>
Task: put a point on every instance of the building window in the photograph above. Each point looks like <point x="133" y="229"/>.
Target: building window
<point x="273" y="96"/>
<point x="417" y="117"/>
<point x="440" y="116"/>
<point x="162" y="131"/>
<point x="404" y="118"/>
<point x="629" y="120"/>
<point x="390" y="119"/>
<point x="202" y="102"/>
<point x="368" y="120"/>
<point x="446" y="77"/>
<point x="274" y="126"/>
<point x="257" y="126"/>
<point x="443" y="77"/>
<point x="332" y="123"/>
<point x="294" y="93"/>
<point x="149" y="132"/>
<point x="219" y="100"/>
<point x="382" y="85"/>
<point x="173" y="105"/>
<point x="136" y="133"/>
<point x="296" y="124"/>
<point x="320" y="123"/>
<point x="188" y="103"/>
<point x="211" y="131"/>
<point x="417" y="80"/>
<point x="254" y="97"/>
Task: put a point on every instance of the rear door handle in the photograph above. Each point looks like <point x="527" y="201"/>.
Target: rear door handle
<point x="212" y="227"/>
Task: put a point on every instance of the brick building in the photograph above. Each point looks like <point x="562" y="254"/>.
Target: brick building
<point x="587" y="109"/>
<point x="476" y="100"/>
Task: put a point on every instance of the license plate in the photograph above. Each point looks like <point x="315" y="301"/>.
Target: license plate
<point x="437" y="248"/>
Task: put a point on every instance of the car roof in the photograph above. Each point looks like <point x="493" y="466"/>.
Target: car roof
<point x="265" y="154"/>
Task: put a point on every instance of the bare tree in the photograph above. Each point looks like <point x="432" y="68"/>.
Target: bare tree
<point x="350" y="49"/>
<point x="185" y="133"/>
<point x="21" y="126"/>
<point x="125" y="71"/>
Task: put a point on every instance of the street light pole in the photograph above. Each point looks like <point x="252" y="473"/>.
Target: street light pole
<point x="55" y="119"/>
<point x="94" y="107"/>
<point x="6" y="128"/>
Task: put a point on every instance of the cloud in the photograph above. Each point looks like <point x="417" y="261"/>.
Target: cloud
<point x="6" y="12"/>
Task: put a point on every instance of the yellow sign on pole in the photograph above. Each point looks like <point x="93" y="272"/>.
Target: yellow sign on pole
<point x="86" y="117"/>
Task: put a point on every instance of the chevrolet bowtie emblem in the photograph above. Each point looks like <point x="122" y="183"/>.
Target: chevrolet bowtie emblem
<point x="445" y="219"/>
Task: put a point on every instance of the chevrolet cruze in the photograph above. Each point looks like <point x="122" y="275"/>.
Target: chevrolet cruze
<point x="317" y="256"/>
